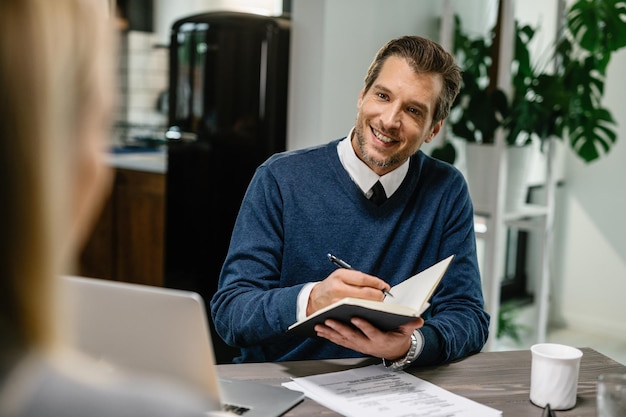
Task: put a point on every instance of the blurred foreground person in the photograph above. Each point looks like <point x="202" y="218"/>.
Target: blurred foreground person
<point x="57" y="84"/>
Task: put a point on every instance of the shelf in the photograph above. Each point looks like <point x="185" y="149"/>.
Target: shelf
<point x="491" y="224"/>
<point x="527" y="211"/>
<point x="529" y="217"/>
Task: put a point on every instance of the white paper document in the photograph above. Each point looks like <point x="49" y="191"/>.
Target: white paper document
<point x="376" y="391"/>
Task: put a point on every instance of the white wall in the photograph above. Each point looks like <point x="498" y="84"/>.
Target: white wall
<point x="589" y="265"/>
<point x="592" y="228"/>
<point x="332" y="45"/>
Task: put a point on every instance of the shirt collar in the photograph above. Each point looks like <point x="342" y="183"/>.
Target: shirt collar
<point x="362" y="175"/>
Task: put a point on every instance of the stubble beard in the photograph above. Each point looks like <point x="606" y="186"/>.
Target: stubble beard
<point x="393" y="161"/>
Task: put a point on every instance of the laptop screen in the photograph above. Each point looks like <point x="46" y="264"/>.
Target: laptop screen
<point x="147" y="329"/>
<point x="162" y="332"/>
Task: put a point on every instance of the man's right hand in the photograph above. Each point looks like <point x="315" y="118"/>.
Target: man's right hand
<point x="345" y="283"/>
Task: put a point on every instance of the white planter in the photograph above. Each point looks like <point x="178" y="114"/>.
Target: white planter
<point x="481" y="166"/>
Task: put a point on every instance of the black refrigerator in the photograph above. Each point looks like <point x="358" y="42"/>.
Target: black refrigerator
<point x="227" y="113"/>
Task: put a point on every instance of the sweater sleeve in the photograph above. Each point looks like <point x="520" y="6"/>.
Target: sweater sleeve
<point x="456" y="325"/>
<point x="250" y="307"/>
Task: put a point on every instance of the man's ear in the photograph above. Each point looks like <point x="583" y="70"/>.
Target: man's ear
<point x="360" y="100"/>
<point x="434" y="131"/>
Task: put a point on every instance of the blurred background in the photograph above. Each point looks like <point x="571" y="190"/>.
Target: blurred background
<point x="331" y="44"/>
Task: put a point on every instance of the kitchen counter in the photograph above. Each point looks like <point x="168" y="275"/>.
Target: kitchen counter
<point x="139" y="160"/>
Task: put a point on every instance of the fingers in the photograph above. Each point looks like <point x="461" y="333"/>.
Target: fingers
<point x="342" y="334"/>
<point x="361" y="281"/>
<point x="410" y="326"/>
<point x="367" y="339"/>
<point x="344" y="283"/>
<point x="372" y="332"/>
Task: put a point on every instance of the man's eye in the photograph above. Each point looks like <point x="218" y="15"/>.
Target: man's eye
<point x="413" y="110"/>
<point x="383" y="96"/>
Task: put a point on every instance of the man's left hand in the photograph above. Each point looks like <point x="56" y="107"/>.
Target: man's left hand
<point x="368" y="339"/>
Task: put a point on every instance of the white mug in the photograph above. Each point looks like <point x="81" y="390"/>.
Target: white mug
<point x="554" y="375"/>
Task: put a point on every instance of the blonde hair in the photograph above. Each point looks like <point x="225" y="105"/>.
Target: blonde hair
<point x="51" y="53"/>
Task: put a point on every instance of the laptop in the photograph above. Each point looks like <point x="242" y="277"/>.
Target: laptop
<point x="164" y="332"/>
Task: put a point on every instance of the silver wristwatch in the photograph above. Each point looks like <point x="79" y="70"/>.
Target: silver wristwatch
<point x="417" y="343"/>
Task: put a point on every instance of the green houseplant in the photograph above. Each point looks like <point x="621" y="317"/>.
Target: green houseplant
<point x="562" y="99"/>
<point x="481" y="107"/>
<point x="567" y="102"/>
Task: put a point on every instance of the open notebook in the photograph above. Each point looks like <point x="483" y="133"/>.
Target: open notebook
<point x="162" y="331"/>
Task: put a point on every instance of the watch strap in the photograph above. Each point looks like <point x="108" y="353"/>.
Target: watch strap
<point x="417" y="344"/>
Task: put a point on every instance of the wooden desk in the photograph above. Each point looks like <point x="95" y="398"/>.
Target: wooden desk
<point x="500" y="380"/>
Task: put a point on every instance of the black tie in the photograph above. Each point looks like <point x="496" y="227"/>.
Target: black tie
<point x="378" y="194"/>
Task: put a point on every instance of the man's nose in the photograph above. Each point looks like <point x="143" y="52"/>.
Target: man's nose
<point x="392" y="117"/>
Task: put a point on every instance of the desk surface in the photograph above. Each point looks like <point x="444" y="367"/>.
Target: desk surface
<point x="500" y="380"/>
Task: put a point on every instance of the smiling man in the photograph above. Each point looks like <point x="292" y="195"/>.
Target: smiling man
<point x="375" y="200"/>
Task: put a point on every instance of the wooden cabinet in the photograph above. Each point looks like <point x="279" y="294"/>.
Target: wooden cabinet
<point x="127" y="244"/>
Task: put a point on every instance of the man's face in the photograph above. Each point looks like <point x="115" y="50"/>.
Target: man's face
<point x="395" y="115"/>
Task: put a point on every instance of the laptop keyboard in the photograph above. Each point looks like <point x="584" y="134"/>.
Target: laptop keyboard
<point x="235" y="409"/>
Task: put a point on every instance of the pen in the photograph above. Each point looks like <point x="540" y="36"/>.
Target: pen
<point x="345" y="265"/>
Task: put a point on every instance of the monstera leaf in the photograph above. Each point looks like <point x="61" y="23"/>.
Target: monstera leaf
<point x="562" y="99"/>
<point x="599" y="26"/>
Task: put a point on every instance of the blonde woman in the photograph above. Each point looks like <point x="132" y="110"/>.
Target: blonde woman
<point x="56" y="101"/>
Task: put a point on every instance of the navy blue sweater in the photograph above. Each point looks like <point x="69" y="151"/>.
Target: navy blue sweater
<point x="301" y="205"/>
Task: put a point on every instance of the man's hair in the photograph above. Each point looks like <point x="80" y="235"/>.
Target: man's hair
<point x="424" y="56"/>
